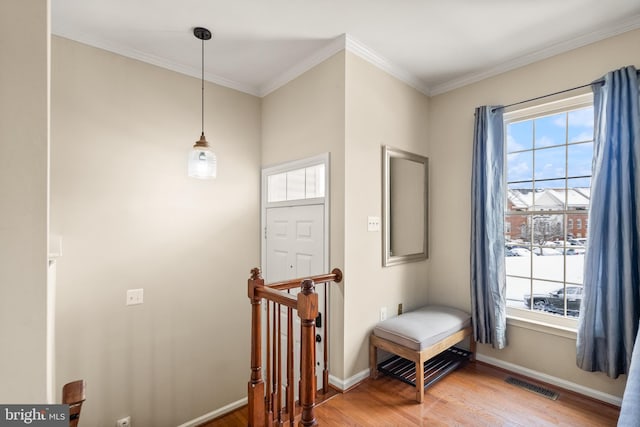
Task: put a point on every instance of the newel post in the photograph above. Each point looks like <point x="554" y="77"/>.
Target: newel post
<point x="255" y="393"/>
<point x="308" y="311"/>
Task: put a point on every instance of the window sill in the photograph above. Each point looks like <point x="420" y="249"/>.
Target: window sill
<point x="544" y="323"/>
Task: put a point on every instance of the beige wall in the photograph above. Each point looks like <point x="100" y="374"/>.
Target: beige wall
<point x="380" y="110"/>
<point x="129" y="217"/>
<point x="451" y="132"/>
<point x="24" y="169"/>
<point x="349" y="108"/>
<point x="302" y="119"/>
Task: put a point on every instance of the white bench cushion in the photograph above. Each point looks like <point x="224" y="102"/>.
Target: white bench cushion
<point x="423" y="327"/>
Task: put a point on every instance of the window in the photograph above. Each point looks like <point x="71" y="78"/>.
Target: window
<point x="549" y="149"/>
<point x="298" y="184"/>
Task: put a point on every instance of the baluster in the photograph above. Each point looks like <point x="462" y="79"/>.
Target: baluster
<point x="290" y="386"/>
<point x="268" y="401"/>
<point x="255" y="387"/>
<point x="278" y="396"/>
<point x="325" y="371"/>
<point x="266" y="404"/>
<point x="274" y="367"/>
<point x="307" y="311"/>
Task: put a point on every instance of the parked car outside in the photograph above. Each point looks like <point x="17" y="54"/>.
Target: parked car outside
<point x="540" y="301"/>
<point x="574" y="300"/>
<point x="554" y="301"/>
<point x="518" y="251"/>
<point x="573" y="250"/>
<point x="546" y="251"/>
<point x="579" y="241"/>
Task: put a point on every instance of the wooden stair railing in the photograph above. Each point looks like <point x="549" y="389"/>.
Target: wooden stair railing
<point x="265" y="404"/>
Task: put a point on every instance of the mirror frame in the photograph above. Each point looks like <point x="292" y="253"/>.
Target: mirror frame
<point x="388" y="260"/>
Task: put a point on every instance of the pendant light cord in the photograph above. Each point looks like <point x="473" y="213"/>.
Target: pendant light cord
<point x="202" y="97"/>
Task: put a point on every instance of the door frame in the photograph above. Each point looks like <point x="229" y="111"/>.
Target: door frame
<point x="323" y="158"/>
<point x="265" y="205"/>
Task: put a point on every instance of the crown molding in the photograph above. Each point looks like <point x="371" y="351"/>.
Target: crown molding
<point x="360" y="49"/>
<point x="157" y="61"/>
<point x="349" y="43"/>
<point x="620" y="27"/>
<point x="319" y="56"/>
<point x="344" y="42"/>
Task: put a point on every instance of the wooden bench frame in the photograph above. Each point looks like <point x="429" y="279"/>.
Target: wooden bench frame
<point x="417" y="356"/>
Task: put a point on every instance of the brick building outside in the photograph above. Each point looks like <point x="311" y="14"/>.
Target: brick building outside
<point x="541" y="216"/>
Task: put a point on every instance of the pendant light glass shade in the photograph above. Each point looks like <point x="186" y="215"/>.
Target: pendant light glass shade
<point x="202" y="160"/>
<point x="202" y="163"/>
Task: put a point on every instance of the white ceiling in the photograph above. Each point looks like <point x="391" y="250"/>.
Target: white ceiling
<point x="258" y="45"/>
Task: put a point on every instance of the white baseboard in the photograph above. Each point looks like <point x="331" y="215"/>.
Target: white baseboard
<point x="334" y="381"/>
<point x="549" y="379"/>
<point x="343" y="385"/>
<point x="215" y="414"/>
<point x="568" y="385"/>
<point x="346" y="384"/>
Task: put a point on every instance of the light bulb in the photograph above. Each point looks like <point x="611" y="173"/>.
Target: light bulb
<point x="202" y="163"/>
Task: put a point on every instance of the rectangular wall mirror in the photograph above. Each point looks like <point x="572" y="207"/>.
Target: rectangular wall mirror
<point x="404" y="206"/>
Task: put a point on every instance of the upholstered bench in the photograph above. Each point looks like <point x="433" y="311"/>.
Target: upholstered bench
<point x="418" y="336"/>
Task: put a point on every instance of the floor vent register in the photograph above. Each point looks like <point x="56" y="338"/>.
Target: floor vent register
<point x="542" y="391"/>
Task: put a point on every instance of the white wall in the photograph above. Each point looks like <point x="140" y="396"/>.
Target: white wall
<point x="24" y="169"/>
<point x="451" y="133"/>
<point x="129" y="217"/>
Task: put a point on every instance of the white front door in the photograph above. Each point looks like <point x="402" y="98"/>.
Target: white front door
<point x="294" y="242"/>
<point x="294" y="246"/>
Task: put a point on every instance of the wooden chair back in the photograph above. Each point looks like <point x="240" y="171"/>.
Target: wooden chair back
<point x="73" y="394"/>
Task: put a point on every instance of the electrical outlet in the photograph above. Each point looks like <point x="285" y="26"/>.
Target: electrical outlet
<point x="383" y="313"/>
<point x="124" y="422"/>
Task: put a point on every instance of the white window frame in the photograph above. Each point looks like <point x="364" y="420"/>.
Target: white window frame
<point x="544" y="322"/>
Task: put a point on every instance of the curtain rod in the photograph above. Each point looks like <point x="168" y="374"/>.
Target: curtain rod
<point x="599" y="81"/>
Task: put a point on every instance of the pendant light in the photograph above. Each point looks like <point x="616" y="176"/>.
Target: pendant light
<point x="202" y="160"/>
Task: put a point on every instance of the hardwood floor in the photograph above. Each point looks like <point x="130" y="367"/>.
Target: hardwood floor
<point x="475" y="395"/>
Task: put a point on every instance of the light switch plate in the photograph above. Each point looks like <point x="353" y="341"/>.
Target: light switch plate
<point x="373" y="223"/>
<point x="135" y="296"/>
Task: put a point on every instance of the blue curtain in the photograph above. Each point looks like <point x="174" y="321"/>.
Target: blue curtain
<point x="488" y="286"/>
<point x="610" y="309"/>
